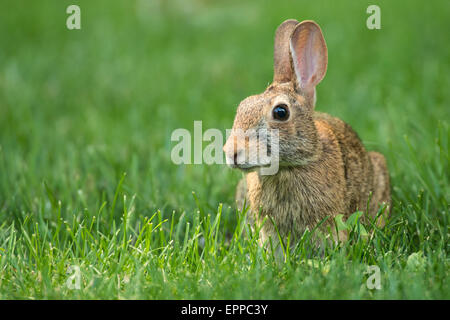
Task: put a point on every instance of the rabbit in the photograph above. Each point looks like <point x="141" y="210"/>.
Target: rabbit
<point x="324" y="169"/>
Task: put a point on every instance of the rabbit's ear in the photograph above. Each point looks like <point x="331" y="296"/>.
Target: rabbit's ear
<point x="309" y="56"/>
<point x="282" y="69"/>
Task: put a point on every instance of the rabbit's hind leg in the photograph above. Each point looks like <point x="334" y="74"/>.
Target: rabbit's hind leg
<point x="381" y="190"/>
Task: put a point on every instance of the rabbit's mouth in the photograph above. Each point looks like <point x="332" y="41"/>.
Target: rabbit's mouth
<point x="246" y="167"/>
<point x="243" y="166"/>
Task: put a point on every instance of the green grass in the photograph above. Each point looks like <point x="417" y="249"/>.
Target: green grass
<point x="79" y="109"/>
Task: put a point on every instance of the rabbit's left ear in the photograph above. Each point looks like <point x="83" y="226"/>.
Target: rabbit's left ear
<point x="282" y="68"/>
<point x="309" y="56"/>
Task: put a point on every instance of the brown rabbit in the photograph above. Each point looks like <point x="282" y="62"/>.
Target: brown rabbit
<point x="324" y="169"/>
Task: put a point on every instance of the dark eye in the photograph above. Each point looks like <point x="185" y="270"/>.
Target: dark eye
<point x="281" y="112"/>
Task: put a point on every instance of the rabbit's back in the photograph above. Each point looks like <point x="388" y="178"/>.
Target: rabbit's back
<point x="364" y="172"/>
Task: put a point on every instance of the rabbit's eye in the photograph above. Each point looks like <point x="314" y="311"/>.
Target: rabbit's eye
<point x="281" y="112"/>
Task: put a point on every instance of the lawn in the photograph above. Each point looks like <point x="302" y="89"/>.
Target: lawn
<point x="92" y="207"/>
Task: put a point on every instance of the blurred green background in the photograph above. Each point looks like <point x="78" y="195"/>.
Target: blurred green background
<point x="78" y="108"/>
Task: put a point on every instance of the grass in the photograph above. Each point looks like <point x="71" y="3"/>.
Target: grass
<point x="86" y="179"/>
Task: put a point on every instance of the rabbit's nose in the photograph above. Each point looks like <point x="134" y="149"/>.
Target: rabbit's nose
<point x="233" y="158"/>
<point x="234" y="151"/>
<point x="231" y="154"/>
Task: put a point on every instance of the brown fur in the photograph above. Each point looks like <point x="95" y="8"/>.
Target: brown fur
<point x="324" y="168"/>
